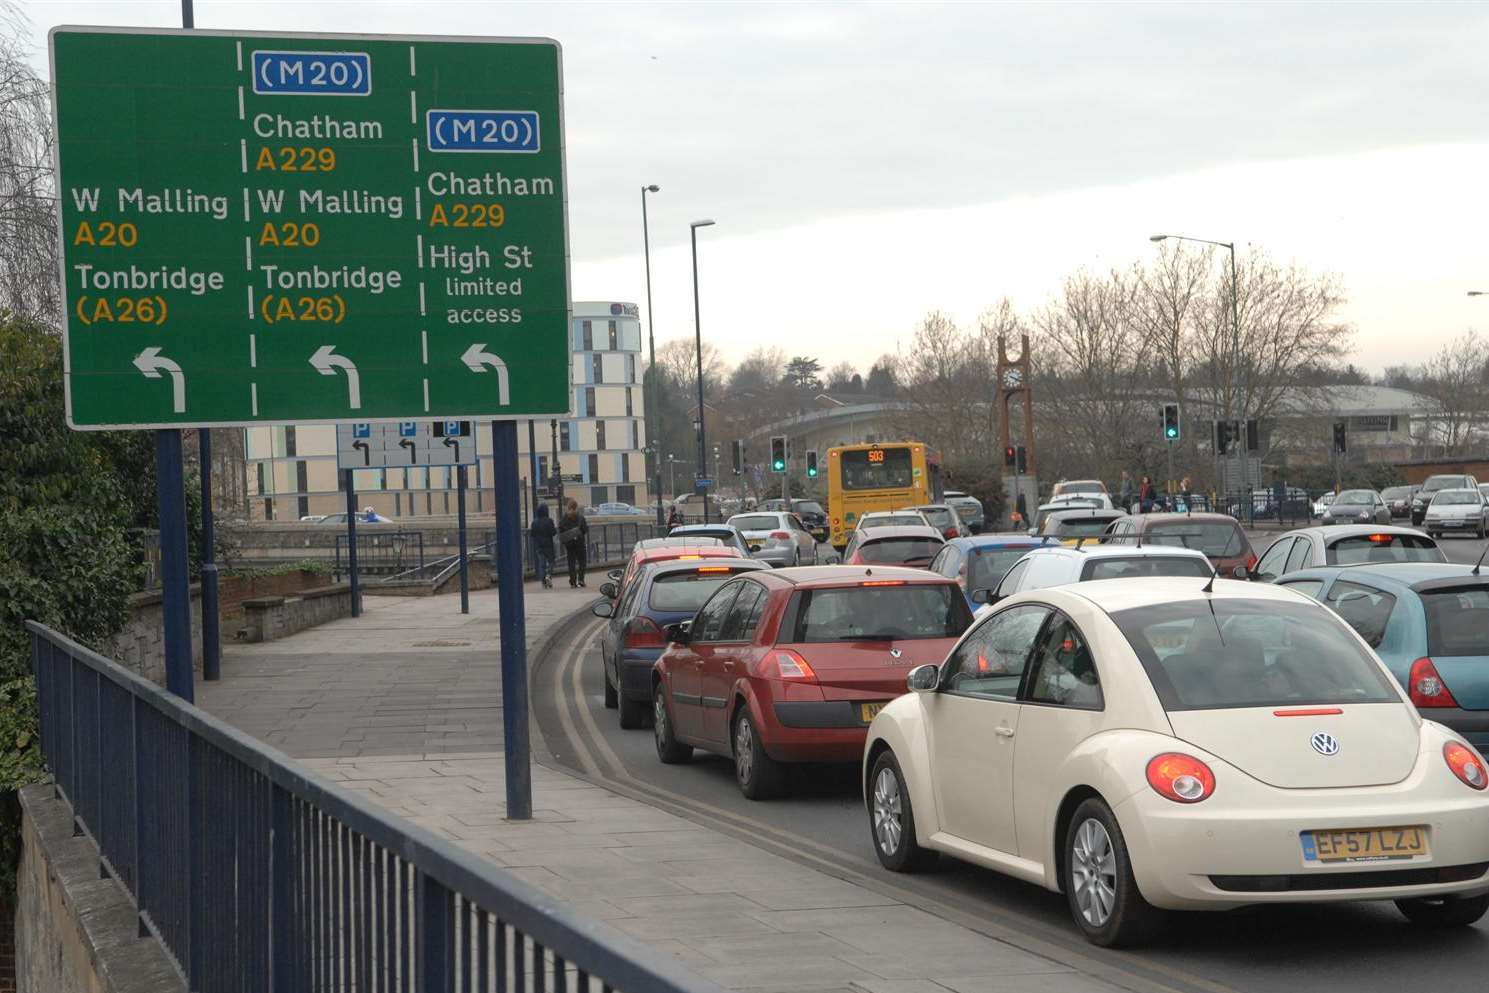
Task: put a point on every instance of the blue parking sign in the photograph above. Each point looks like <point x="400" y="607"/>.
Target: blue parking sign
<point x="361" y="430"/>
<point x="452" y="429"/>
<point x="408" y="429"/>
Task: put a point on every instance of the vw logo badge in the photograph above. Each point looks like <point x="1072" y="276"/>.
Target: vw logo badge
<point x="1324" y="743"/>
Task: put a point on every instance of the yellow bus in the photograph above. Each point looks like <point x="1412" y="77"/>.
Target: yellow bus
<point x="883" y="476"/>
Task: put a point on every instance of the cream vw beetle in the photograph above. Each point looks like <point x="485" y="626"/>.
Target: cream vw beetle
<point x="1173" y="744"/>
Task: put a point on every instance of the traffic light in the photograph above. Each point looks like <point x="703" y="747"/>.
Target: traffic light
<point x="738" y="447"/>
<point x="1341" y="438"/>
<point x="1170" y="422"/>
<point x="777" y="453"/>
<point x="1253" y="436"/>
<point x="1022" y="459"/>
<point x="811" y="462"/>
<point x="1223" y="436"/>
<point x="1010" y="457"/>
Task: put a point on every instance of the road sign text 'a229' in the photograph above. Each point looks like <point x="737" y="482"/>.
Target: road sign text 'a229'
<point x="268" y="229"/>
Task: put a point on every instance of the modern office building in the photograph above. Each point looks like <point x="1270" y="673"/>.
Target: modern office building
<point x="600" y="446"/>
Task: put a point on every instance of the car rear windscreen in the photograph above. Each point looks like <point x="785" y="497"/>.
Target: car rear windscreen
<point x="1081" y="527"/>
<point x="1457" y="621"/>
<point x="683" y="591"/>
<point x="809" y="507"/>
<point x="1214" y="652"/>
<point x="1217" y="539"/>
<point x="907" y="520"/>
<point x="1359" y="548"/>
<point x="757" y="522"/>
<point x="938" y="516"/>
<point x="988" y="568"/>
<point x="1139" y="566"/>
<point x="888" y="551"/>
<point x="727" y="537"/>
<point x="858" y="613"/>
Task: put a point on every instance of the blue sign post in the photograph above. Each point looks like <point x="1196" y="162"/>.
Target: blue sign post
<point x="513" y="621"/>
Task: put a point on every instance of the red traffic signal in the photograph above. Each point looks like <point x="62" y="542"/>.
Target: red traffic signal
<point x="1010" y="456"/>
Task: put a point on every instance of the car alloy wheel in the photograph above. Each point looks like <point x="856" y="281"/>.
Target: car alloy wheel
<point x="1093" y="872"/>
<point x="759" y="776"/>
<point x="669" y="750"/>
<point x="888" y="825"/>
<point x="892" y="819"/>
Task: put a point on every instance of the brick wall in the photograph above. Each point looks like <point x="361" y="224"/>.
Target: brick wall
<point x="233" y="590"/>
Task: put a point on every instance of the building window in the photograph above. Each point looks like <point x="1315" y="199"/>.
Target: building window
<point x="269" y="509"/>
<point x="625" y="494"/>
<point x="625" y="468"/>
<point x="630" y="368"/>
<point x="596" y="369"/>
<point x="635" y="434"/>
<point x="542" y="468"/>
<point x="564" y="433"/>
<point x="589" y="402"/>
<point x="629" y="411"/>
<point x="302" y="482"/>
<point x="614" y="340"/>
<point x="289" y="440"/>
<point x="587" y="336"/>
<point x="599" y="495"/>
<point x="600" y="435"/>
<point x="594" y="468"/>
<point x="261" y="478"/>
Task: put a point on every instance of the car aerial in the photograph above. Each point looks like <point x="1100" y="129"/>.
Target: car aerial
<point x="979" y="563"/>
<point x="811" y="514"/>
<point x="777" y="537"/>
<point x="791" y="666"/>
<point x="891" y="518"/>
<point x="662" y="550"/>
<point x="1322" y="503"/>
<point x="1428" y="622"/>
<point x="618" y="510"/>
<point x="1431" y="485"/>
<point x="1457" y="510"/>
<point x="1348" y="544"/>
<point x="1082" y="522"/>
<point x="1056" y="565"/>
<point x="1182" y="745"/>
<point x="1398" y="498"/>
<point x="662" y="593"/>
<point x="943" y="518"/>
<point x="727" y="534"/>
<point x="968" y="508"/>
<point x="908" y="545"/>
<point x="1219" y="536"/>
<point x="1357" y="507"/>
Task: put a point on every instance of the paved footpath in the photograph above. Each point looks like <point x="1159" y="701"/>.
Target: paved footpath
<point x="404" y="705"/>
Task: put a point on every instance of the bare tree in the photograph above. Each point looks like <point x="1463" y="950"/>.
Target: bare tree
<point x="678" y="359"/>
<point x="841" y="376"/>
<point x="1454" y="379"/>
<point x="28" y="223"/>
<point x="760" y="370"/>
<point x="947" y="389"/>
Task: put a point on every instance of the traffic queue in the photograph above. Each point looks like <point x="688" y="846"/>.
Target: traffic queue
<point x="1301" y="727"/>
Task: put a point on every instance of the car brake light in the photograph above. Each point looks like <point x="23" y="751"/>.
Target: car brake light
<point x="780" y="536"/>
<point x="1309" y="712"/>
<point x="1466" y="764"/>
<point x="1180" y="778"/>
<point x="883" y="582"/>
<point x="688" y="558"/>
<point x="1380" y="538"/>
<point x="642" y="632"/>
<point x="789" y="665"/>
<point x="1426" y="686"/>
<point x="713" y="568"/>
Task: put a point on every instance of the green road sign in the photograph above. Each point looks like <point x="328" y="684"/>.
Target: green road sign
<point x="264" y="229"/>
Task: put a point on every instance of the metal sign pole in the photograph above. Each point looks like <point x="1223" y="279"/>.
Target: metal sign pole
<point x="174" y="582"/>
<point x="351" y="541"/>
<point x="460" y="481"/>
<point x="211" y="635"/>
<point x="513" y="624"/>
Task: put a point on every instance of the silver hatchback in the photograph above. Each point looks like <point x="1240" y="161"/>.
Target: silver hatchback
<point x="776" y="537"/>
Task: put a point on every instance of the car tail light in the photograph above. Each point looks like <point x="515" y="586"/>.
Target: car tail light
<point x="1466" y="764"/>
<point x="642" y="632"/>
<point x="949" y="533"/>
<point x="780" y="536"/>
<point x="1180" y="778"/>
<point x="1250" y="561"/>
<point x="1426" y="686"/>
<point x="786" y="664"/>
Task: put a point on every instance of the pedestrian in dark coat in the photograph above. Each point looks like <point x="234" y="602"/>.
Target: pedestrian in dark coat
<point x="573" y="532"/>
<point x="543" y="531"/>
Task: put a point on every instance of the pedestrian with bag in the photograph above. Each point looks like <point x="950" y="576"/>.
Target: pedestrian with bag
<point x="573" y="533"/>
<point x="543" y="531"/>
<point x="1145" y="496"/>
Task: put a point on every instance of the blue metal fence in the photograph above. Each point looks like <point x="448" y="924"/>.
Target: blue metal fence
<point x="257" y="875"/>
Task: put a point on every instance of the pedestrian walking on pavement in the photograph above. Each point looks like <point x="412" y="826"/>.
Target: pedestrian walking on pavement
<point x="573" y="531"/>
<point x="1185" y="493"/>
<point x="674" y="519"/>
<point x="1125" y="493"/>
<point x="543" y="531"/>
<point x="1145" y="496"/>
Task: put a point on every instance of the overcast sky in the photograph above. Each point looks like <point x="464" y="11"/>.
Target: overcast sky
<point x="869" y="162"/>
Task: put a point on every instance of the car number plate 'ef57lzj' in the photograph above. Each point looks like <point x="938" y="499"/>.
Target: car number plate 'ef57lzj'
<point x="1364" y="844"/>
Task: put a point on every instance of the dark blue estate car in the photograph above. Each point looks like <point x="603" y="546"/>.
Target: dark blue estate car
<point x="979" y="562"/>
<point x="660" y="594"/>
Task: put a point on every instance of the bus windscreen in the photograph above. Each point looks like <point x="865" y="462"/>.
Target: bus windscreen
<point x="877" y="468"/>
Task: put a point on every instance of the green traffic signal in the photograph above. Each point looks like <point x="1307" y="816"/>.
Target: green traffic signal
<point x="1172" y="432"/>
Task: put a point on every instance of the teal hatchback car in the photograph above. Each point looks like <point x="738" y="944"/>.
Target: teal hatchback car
<point x="1428" y="622"/>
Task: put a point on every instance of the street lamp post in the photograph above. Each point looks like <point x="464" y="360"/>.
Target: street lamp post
<point x="651" y="342"/>
<point x="698" y="346"/>
<point x="671" y="479"/>
<point x="1235" y="327"/>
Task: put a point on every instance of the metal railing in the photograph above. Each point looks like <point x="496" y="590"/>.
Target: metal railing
<point x="256" y="874"/>
<point x="381" y="551"/>
<point x="1262" y="507"/>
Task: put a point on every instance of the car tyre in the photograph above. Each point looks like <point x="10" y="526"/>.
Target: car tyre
<point x="1446" y="912"/>
<point x="892" y="819"/>
<point x="612" y="695"/>
<point x="669" y="750"/>
<point x="1099" y="883"/>
<point x="1482" y="533"/>
<point x="815" y="559"/>
<point x="759" y="776"/>
<point x="633" y="713"/>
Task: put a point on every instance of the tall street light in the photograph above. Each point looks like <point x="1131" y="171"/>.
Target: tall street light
<point x="698" y="346"/>
<point x="1235" y="323"/>
<point x="651" y="342"/>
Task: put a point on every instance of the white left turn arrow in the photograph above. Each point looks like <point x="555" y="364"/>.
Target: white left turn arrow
<point x="152" y="364"/>
<point x="477" y="359"/>
<point x="326" y="362"/>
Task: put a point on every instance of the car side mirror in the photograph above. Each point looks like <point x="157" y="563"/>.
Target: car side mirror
<point x="983" y="596"/>
<point x="608" y="590"/>
<point x="1241" y="572"/>
<point x="614" y="574"/>
<point x="680" y="633"/>
<point x="603" y="608"/>
<point x="924" y="679"/>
